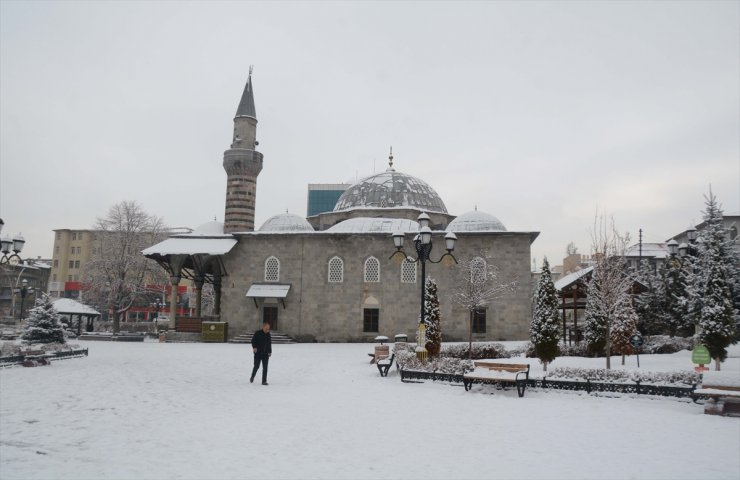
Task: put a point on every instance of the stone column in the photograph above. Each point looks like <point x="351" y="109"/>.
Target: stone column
<point x="174" y="282"/>
<point x="198" y="296"/>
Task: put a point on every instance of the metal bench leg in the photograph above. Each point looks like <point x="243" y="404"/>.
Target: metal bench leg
<point x="520" y="387"/>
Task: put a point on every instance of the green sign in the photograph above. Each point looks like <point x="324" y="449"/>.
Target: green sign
<point x="700" y="355"/>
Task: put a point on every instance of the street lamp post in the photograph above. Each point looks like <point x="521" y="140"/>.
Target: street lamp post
<point x="423" y="246"/>
<point x="24" y="290"/>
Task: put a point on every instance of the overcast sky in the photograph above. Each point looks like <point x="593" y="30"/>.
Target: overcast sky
<point x="539" y="113"/>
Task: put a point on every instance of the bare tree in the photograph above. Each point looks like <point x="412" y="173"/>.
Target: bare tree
<point x="478" y="285"/>
<point x="609" y="284"/>
<point x="117" y="273"/>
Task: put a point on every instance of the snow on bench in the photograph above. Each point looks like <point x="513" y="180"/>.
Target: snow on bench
<point x="723" y="388"/>
<point x="487" y="371"/>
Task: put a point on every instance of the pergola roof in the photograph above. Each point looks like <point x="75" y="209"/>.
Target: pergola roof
<point x="67" y="306"/>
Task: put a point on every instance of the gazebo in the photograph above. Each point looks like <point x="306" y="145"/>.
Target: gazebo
<point x="67" y="306"/>
<point x="573" y="291"/>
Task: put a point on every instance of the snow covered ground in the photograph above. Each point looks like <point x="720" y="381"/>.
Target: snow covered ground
<point x="161" y="411"/>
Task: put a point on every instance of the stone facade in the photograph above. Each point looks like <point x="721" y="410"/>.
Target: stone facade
<point x="316" y="309"/>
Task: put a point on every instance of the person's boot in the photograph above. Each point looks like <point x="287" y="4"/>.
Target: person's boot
<point x="251" y="379"/>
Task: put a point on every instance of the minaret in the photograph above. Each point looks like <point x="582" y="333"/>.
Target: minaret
<point x="242" y="164"/>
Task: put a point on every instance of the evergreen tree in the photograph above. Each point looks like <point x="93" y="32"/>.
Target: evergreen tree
<point x="623" y="327"/>
<point x="714" y="277"/>
<point x="650" y="305"/>
<point x="544" y="331"/>
<point x="43" y="324"/>
<point x="674" y="279"/>
<point x="595" y="323"/>
<point x="432" y="318"/>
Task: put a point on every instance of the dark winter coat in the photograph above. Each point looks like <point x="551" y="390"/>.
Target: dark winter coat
<point x="262" y="342"/>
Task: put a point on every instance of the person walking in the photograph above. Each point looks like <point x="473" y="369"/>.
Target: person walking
<point x="262" y="348"/>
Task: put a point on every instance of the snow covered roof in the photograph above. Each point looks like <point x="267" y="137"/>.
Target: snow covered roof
<point x="655" y="250"/>
<point x="268" y="290"/>
<point x="476" y="221"/>
<point x="391" y="189"/>
<point x="69" y="306"/>
<point x="187" y="245"/>
<point x="375" y="225"/>
<point x="286" y="223"/>
<point x="208" y="239"/>
<point x="572" y="278"/>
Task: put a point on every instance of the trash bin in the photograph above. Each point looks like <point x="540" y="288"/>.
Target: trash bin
<point x="214" y="331"/>
<point x="381" y="352"/>
<point x="401" y="337"/>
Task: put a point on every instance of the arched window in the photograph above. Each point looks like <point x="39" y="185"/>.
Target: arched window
<point x="408" y="272"/>
<point x="336" y="270"/>
<point x="478" y="270"/>
<point x="272" y="270"/>
<point x="372" y="270"/>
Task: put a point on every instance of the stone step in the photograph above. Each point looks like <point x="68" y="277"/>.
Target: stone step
<point x="277" y="338"/>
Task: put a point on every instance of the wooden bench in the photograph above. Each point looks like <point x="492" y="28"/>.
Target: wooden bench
<point x="496" y="372"/>
<point x="723" y="390"/>
<point x="384" y="364"/>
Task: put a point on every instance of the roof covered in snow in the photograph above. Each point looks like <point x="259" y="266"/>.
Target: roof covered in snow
<point x="375" y="225"/>
<point x="208" y="239"/>
<point x="572" y="278"/>
<point x="655" y="250"/>
<point x="476" y="221"/>
<point x="69" y="306"/>
<point x="286" y="223"/>
<point x="391" y="189"/>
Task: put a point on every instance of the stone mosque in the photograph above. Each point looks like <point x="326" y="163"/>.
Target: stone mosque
<point x="329" y="277"/>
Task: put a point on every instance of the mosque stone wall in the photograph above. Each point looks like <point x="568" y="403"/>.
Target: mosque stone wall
<point x="316" y="309"/>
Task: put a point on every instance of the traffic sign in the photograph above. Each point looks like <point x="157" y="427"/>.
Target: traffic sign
<point x="636" y="341"/>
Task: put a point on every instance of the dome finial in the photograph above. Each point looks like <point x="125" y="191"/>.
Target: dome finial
<point x="390" y="160"/>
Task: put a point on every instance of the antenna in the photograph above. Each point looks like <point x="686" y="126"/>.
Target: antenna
<point x="251" y="67"/>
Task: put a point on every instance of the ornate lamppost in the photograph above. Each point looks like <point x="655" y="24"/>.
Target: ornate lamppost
<point x="24" y="290"/>
<point x="16" y="245"/>
<point x="423" y="246"/>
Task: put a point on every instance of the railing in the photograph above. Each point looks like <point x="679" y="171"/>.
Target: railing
<point x="61" y="355"/>
<point x="587" y="386"/>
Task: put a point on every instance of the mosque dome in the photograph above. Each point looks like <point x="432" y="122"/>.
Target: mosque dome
<point x="375" y="225"/>
<point x="476" y="221"/>
<point x="391" y="189"/>
<point x="285" y="223"/>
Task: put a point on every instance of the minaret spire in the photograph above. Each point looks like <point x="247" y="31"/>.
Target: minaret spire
<point x="246" y="105"/>
<point x="242" y="164"/>
<point x="390" y="161"/>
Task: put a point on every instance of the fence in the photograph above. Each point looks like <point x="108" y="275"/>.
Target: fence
<point x="587" y="386"/>
<point x="60" y="355"/>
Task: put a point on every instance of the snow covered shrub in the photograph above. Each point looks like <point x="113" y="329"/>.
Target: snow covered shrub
<point x="480" y="350"/>
<point x="9" y="349"/>
<point x="43" y="324"/>
<point x="684" y="377"/>
<point x="665" y="344"/>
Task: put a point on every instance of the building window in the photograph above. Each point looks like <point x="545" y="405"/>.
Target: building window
<point x="77" y="264"/>
<point x="71" y="264"/>
<point x="479" y="320"/>
<point x="59" y="235"/>
<point x="478" y="270"/>
<point x="69" y="278"/>
<point x="54" y="278"/>
<point x="372" y="270"/>
<point x="56" y="263"/>
<point x="56" y="249"/>
<point x="79" y="250"/>
<point x="74" y="236"/>
<point x="370" y="319"/>
<point x="73" y="250"/>
<point x="272" y="270"/>
<point x="408" y="272"/>
<point x="336" y="270"/>
<point x="79" y="236"/>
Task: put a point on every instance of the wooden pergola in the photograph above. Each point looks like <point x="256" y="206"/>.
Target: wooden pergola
<point x="573" y="292"/>
<point x="73" y="308"/>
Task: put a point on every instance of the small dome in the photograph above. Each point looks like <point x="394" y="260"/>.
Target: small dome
<point x="375" y="225"/>
<point x="209" y="229"/>
<point x="391" y="189"/>
<point x="286" y="222"/>
<point x="476" y="221"/>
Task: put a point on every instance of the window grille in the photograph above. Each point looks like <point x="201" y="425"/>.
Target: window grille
<point x="478" y="270"/>
<point x="372" y="270"/>
<point x="336" y="270"/>
<point x="272" y="270"/>
<point x="408" y="272"/>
